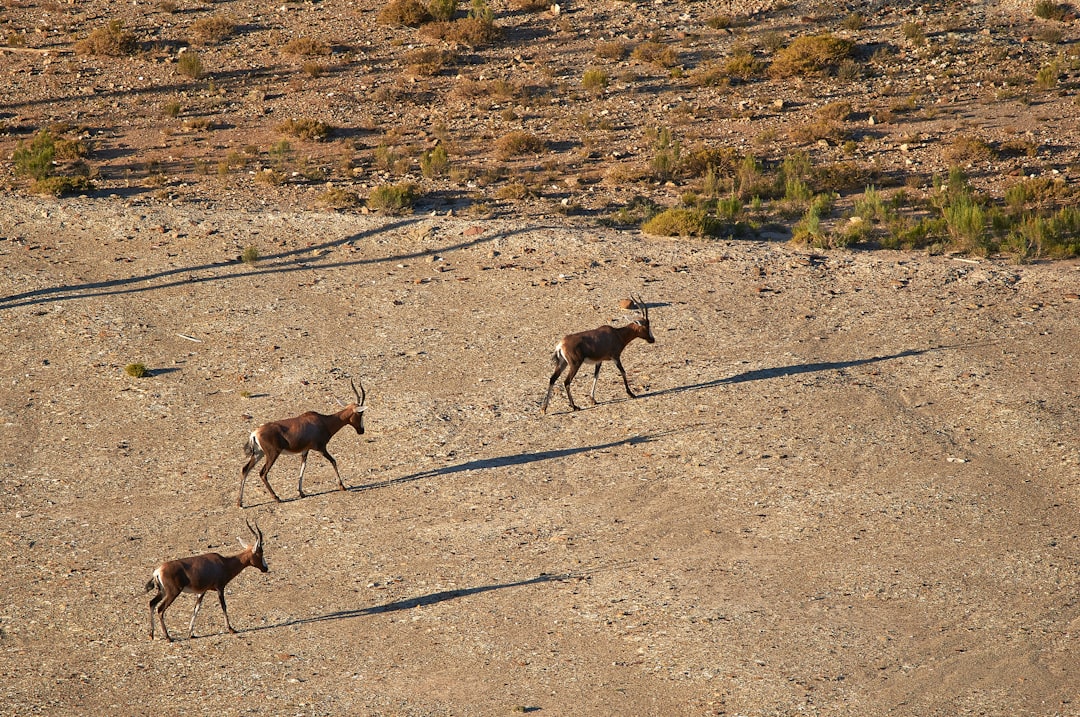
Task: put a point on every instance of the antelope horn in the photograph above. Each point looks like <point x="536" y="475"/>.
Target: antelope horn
<point x="255" y="531"/>
<point x="360" y="396"/>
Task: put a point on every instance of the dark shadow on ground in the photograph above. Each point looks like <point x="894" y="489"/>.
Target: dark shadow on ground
<point x="309" y="257"/>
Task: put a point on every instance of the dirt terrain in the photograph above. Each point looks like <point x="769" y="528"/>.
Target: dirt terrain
<point x="849" y="484"/>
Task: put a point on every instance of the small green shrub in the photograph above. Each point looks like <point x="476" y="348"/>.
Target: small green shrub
<point x="612" y="50"/>
<point x="62" y="185"/>
<point x="190" y="65"/>
<point x="305" y="128"/>
<point x="870" y="205"/>
<point x="250" y="255"/>
<point x="666" y="155"/>
<point x="1047" y="76"/>
<point x="112" y="40"/>
<point x="811" y="55"/>
<point x="434" y="163"/>
<point x="743" y="66"/>
<point x="393" y="198"/>
<point x="34" y="159"/>
<point x="212" y="30"/>
<point x="410" y="13"/>
<point x="518" y="143"/>
<point x="656" y="53"/>
<point x="595" y="80"/>
<point x="137" y="370"/>
<point x="1049" y="10"/>
<point x="306" y="46"/>
<point x="428" y="61"/>
<point x="442" y="10"/>
<point x="681" y="222"/>
<point x="914" y="33"/>
<point x="338" y="198"/>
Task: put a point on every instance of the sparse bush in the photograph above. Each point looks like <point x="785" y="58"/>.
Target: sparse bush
<point x="305" y="128"/>
<point x="853" y="21"/>
<point x="393" y="198"/>
<point x="835" y="111"/>
<point x="250" y="255"/>
<point x="190" y="65"/>
<point x="1049" y="10"/>
<point x="137" y="370"/>
<point x="613" y="50"/>
<point x="434" y="163"/>
<point x="656" y="53"/>
<point x="112" y="40"/>
<point x="914" y="33"/>
<point x="743" y="66"/>
<point x="34" y="159"/>
<point x="62" y="185"/>
<point x="595" y="80"/>
<point x="442" y="9"/>
<point x="338" y="198"/>
<point x="518" y="143"/>
<point x="531" y="5"/>
<point x="966" y="149"/>
<point x="428" y="61"/>
<point x="810" y="55"/>
<point x="410" y="13"/>
<point x="665" y="160"/>
<point x="1047" y="76"/>
<point x="306" y="46"/>
<point x="966" y="222"/>
<point x="870" y="206"/>
<point x="469" y="31"/>
<point x="212" y="30"/>
<point x="172" y="109"/>
<point x="681" y="222"/>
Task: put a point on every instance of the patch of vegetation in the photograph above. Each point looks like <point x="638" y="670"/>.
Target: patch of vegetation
<point x="61" y="186"/>
<point x="656" y="53"/>
<point x="113" y="40"/>
<point x="1047" y="76"/>
<point x="811" y="55"/>
<point x="518" y="143"/>
<point x="428" y="61"/>
<point x="250" y="255"/>
<point x="34" y="158"/>
<point x="434" y="163"/>
<point x="744" y="66"/>
<point x="393" y="198"/>
<point x="213" y="29"/>
<point x="305" y="128"/>
<point x="442" y="10"/>
<point x="407" y="13"/>
<point x="338" y="198"/>
<point x="612" y="50"/>
<point x="681" y="222"/>
<point x="666" y="154"/>
<point x="595" y="80"/>
<point x="914" y="33"/>
<point x="306" y="46"/>
<point x="137" y="370"/>
<point x="1049" y="10"/>
<point x="190" y="65"/>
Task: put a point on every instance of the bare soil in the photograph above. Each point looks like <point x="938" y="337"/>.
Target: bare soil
<point x="849" y="484"/>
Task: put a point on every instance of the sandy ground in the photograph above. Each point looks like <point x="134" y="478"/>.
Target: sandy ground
<point x="849" y="484"/>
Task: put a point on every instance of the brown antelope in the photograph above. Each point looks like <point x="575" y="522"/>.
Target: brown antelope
<point x="603" y="344"/>
<point x="200" y="574"/>
<point x="304" y="433"/>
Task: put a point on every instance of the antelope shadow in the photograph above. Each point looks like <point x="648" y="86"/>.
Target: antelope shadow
<point x="438" y="597"/>
<point x="308" y="257"/>
<point x="795" y="370"/>
<point x="516" y="459"/>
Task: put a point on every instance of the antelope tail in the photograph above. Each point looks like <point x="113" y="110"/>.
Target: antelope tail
<point x="252" y="446"/>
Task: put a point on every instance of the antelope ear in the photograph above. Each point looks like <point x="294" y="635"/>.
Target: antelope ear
<point x="360" y="409"/>
<point x="243" y="543"/>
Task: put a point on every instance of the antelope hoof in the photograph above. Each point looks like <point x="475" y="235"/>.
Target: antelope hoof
<point x="302" y="495"/>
